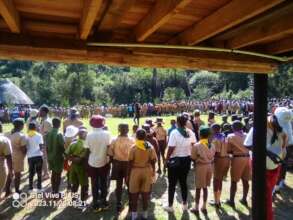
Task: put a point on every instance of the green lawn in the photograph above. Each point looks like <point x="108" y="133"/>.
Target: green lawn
<point x="284" y="201"/>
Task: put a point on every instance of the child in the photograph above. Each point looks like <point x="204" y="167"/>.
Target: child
<point x="203" y="155"/>
<point x="222" y="162"/>
<point x="118" y="151"/>
<point x="240" y="166"/>
<point x="35" y="155"/>
<point x="55" y="149"/>
<point x="173" y="126"/>
<point x="18" y="143"/>
<point x="76" y="153"/>
<point x="142" y="158"/>
<point x="161" y="135"/>
<point x="134" y="129"/>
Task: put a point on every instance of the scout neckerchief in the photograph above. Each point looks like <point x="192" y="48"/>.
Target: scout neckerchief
<point x="142" y="145"/>
<point x="31" y="133"/>
<point x="219" y="136"/>
<point x="205" y="142"/>
<point x="183" y="132"/>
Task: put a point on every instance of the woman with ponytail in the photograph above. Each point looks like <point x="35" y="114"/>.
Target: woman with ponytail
<point x="178" y="161"/>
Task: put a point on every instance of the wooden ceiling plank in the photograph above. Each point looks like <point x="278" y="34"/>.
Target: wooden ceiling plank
<point x="161" y="13"/>
<point x="10" y="15"/>
<point x="230" y="15"/>
<point x="276" y="24"/>
<point x="282" y="46"/>
<point x="49" y="27"/>
<point x="116" y="10"/>
<point x="89" y="14"/>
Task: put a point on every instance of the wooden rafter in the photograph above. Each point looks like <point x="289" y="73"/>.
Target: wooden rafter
<point x="50" y="27"/>
<point x="116" y="10"/>
<point x="162" y="11"/>
<point x="230" y="15"/>
<point x="89" y="14"/>
<point x="269" y="28"/>
<point x="72" y="51"/>
<point x="281" y="46"/>
<point x="10" y="15"/>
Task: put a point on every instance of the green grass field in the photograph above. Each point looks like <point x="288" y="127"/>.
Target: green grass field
<point x="284" y="201"/>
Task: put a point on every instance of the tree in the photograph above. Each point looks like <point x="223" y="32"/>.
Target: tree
<point x="174" y="94"/>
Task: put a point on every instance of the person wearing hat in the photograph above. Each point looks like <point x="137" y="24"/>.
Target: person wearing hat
<point x="45" y="127"/>
<point x="55" y="149"/>
<point x="161" y="136"/>
<point x="203" y="155"/>
<point x="98" y="141"/>
<point x="76" y="153"/>
<point x="240" y="165"/>
<point x="33" y="116"/>
<point x="276" y="142"/>
<point x="118" y="151"/>
<point x="5" y="155"/>
<point x="142" y="158"/>
<point x="72" y="119"/>
<point x="221" y="162"/>
<point x="34" y="154"/>
<point x="18" y="143"/>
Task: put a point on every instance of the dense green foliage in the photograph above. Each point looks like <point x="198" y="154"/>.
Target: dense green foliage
<point x="70" y="84"/>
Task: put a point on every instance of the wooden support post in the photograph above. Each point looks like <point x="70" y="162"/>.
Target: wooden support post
<point x="259" y="149"/>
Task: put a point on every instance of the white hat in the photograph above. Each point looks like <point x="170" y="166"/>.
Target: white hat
<point x="71" y="131"/>
<point x="284" y="116"/>
<point x="34" y="113"/>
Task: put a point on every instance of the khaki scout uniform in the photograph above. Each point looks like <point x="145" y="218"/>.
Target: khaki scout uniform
<point x="119" y="150"/>
<point x="222" y="159"/>
<point x="203" y="157"/>
<point x="18" y="141"/>
<point x="45" y="127"/>
<point x="140" y="179"/>
<point x="161" y="135"/>
<point x="240" y="167"/>
<point x="5" y="150"/>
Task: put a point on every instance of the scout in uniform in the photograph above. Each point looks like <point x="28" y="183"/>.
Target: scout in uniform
<point x="203" y="155"/>
<point x="240" y="166"/>
<point x="222" y="162"/>
<point x="224" y="121"/>
<point x="45" y="127"/>
<point x="142" y="158"/>
<point x="118" y="151"/>
<point x="18" y="143"/>
<point x="211" y="118"/>
<point x="5" y="154"/>
<point x="161" y="135"/>
<point x="76" y="153"/>
<point x="55" y="149"/>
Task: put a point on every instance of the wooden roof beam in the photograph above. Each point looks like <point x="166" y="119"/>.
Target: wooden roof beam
<point x="269" y="28"/>
<point x="282" y="46"/>
<point x="89" y="14"/>
<point x="230" y="15"/>
<point x="10" y="15"/>
<point x="162" y="11"/>
<point x="74" y="51"/>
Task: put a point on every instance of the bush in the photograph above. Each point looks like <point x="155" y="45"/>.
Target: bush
<point x="173" y="94"/>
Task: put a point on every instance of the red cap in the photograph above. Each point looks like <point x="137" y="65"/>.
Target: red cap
<point x="97" y="121"/>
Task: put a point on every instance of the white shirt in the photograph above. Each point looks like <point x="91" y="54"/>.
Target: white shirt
<point x="97" y="142"/>
<point x="33" y="145"/>
<point x="276" y="147"/>
<point x="182" y="145"/>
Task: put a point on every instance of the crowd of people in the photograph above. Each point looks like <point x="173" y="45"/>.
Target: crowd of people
<point x="92" y="157"/>
<point x="146" y="109"/>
